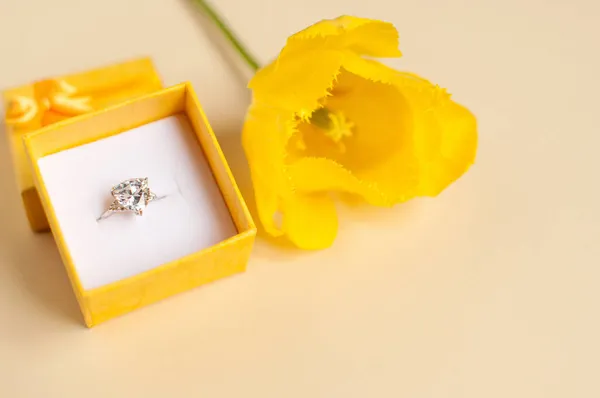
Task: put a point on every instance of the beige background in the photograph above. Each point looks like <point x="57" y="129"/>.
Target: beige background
<point x="490" y="290"/>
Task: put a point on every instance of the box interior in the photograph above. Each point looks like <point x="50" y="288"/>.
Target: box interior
<point x="193" y="215"/>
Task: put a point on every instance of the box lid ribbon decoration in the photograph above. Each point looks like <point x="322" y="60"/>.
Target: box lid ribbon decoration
<point x="52" y="101"/>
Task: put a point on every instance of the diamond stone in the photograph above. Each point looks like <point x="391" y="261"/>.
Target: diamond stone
<point x="132" y="195"/>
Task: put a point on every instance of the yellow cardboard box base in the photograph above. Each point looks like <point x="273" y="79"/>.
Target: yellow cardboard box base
<point x="218" y="261"/>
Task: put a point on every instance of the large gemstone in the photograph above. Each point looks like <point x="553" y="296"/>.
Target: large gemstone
<point x="132" y="194"/>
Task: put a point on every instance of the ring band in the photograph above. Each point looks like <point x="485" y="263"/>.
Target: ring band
<point x="132" y="195"/>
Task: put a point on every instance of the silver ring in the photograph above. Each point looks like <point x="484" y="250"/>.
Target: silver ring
<point x="131" y="195"/>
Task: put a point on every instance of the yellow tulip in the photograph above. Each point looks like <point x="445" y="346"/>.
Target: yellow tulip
<point x="325" y="117"/>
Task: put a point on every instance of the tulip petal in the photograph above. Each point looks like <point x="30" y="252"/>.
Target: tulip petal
<point x="446" y="147"/>
<point x="297" y="82"/>
<point x="264" y="137"/>
<point x="444" y="132"/>
<point x="360" y="35"/>
<point x="310" y="221"/>
<point x="377" y="162"/>
<point x="309" y="63"/>
<point x="311" y="175"/>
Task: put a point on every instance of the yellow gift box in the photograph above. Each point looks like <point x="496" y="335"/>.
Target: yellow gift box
<point x="33" y="106"/>
<point x="213" y="262"/>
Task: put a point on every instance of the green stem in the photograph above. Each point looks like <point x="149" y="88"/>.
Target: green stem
<point x="214" y="17"/>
